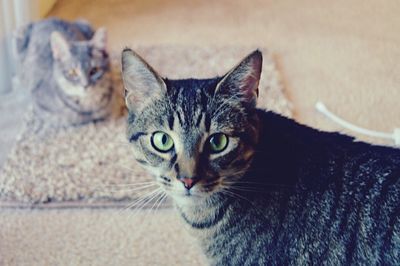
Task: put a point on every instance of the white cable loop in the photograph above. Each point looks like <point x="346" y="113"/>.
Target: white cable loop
<point x="395" y="136"/>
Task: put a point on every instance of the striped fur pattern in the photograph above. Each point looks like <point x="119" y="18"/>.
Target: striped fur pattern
<point x="280" y="193"/>
<point x="70" y="80"/>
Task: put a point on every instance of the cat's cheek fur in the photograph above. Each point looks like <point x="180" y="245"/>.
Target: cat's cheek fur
<point x="67" y="87"/>
<point x="92" y="98"/>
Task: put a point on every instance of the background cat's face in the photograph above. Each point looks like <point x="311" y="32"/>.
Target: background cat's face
<point x="196" y="136"/>
<point x="81" y="70"/>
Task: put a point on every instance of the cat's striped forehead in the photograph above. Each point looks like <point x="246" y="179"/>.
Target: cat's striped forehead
<point x="190" y="100"/>
<point x="188" y="108"/>
<point x="86" y="55"/>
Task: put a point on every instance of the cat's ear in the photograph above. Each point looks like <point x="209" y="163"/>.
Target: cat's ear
<point x="59" y="46"/>
<point x="242" y="81"/>
<point x="142" y="83"/>
<point x="99" y="39"/>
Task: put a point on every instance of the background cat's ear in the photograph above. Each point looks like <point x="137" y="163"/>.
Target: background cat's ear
<point x="242" y="81"/>
<point x="142" y="84"/>
<point x="59" y="46"/>
<point x="99" y="39"/>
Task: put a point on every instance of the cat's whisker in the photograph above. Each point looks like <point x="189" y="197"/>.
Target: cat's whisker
<point x="234" y="195"/>
<point x="162" y="200"/>
<point x="238" y="183"/>
<point x="116" y="187"/>
<point x="144" y="203"/>
<point x="233" y="174"/>
<point x="160" y="196"/>
<point x="134" y="203"/>
<point x="245" y="189"/>
<point x="131" y="184"/>
<point x="258" y="187"/>
<point x="140" y="200"/>
<point x="249" y="182"/>
<point x="228" y="188"/>
<point x="140" y="208"/>
<point x="141" y="188"/>
<point x="152" y="208"/>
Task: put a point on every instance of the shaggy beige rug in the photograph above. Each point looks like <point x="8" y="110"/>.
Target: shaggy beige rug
<point x="88" y="164"/>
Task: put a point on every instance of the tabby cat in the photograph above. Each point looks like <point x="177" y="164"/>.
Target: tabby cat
<point x="65" y="66"/>
<point x="256" y="188"/>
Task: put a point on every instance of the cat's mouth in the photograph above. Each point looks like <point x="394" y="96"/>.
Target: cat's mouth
<point x="185" y="193"/>
<point x="188" y="193"/>
<point x="188" y="196"/>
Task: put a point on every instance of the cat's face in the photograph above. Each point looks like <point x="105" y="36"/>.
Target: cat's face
<point x="81" y="70"/>
<point x="196" y="136"/>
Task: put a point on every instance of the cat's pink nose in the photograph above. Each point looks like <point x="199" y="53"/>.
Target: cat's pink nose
<point x="188" y="182"/>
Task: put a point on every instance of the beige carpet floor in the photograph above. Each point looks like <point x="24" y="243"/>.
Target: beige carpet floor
<point x="95" y="237"/>
<point x="344" y="53"/>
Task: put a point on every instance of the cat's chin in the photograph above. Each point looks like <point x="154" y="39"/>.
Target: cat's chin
<point x="183" y="199"/>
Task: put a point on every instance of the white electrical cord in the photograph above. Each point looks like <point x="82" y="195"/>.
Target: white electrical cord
<point x="395" y="136"/>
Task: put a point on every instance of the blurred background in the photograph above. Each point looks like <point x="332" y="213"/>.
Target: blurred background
<point x="14" y="14"/>
<point x="344" y="53"/>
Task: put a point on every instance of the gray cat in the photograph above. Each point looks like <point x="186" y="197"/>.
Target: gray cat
<point x="256" y="188"/>
<point x="66" y="67"/>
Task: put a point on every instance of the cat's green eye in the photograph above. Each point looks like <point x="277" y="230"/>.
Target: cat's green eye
<point x="161" y="141"/>
<point x="218" y="142"/>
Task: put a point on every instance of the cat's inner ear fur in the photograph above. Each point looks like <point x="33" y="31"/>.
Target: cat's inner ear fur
<point x="59" y="46"/>
<point x="142" y="84"/>
<point x="99" y="39"/>
<point x="241" y="82"/>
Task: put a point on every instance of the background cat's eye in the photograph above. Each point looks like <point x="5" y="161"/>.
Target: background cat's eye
<point x="161" y="141"/>
<point x="218" y="142"/>
<point x="72" y="72"/>
<point x="94" y="72"/>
